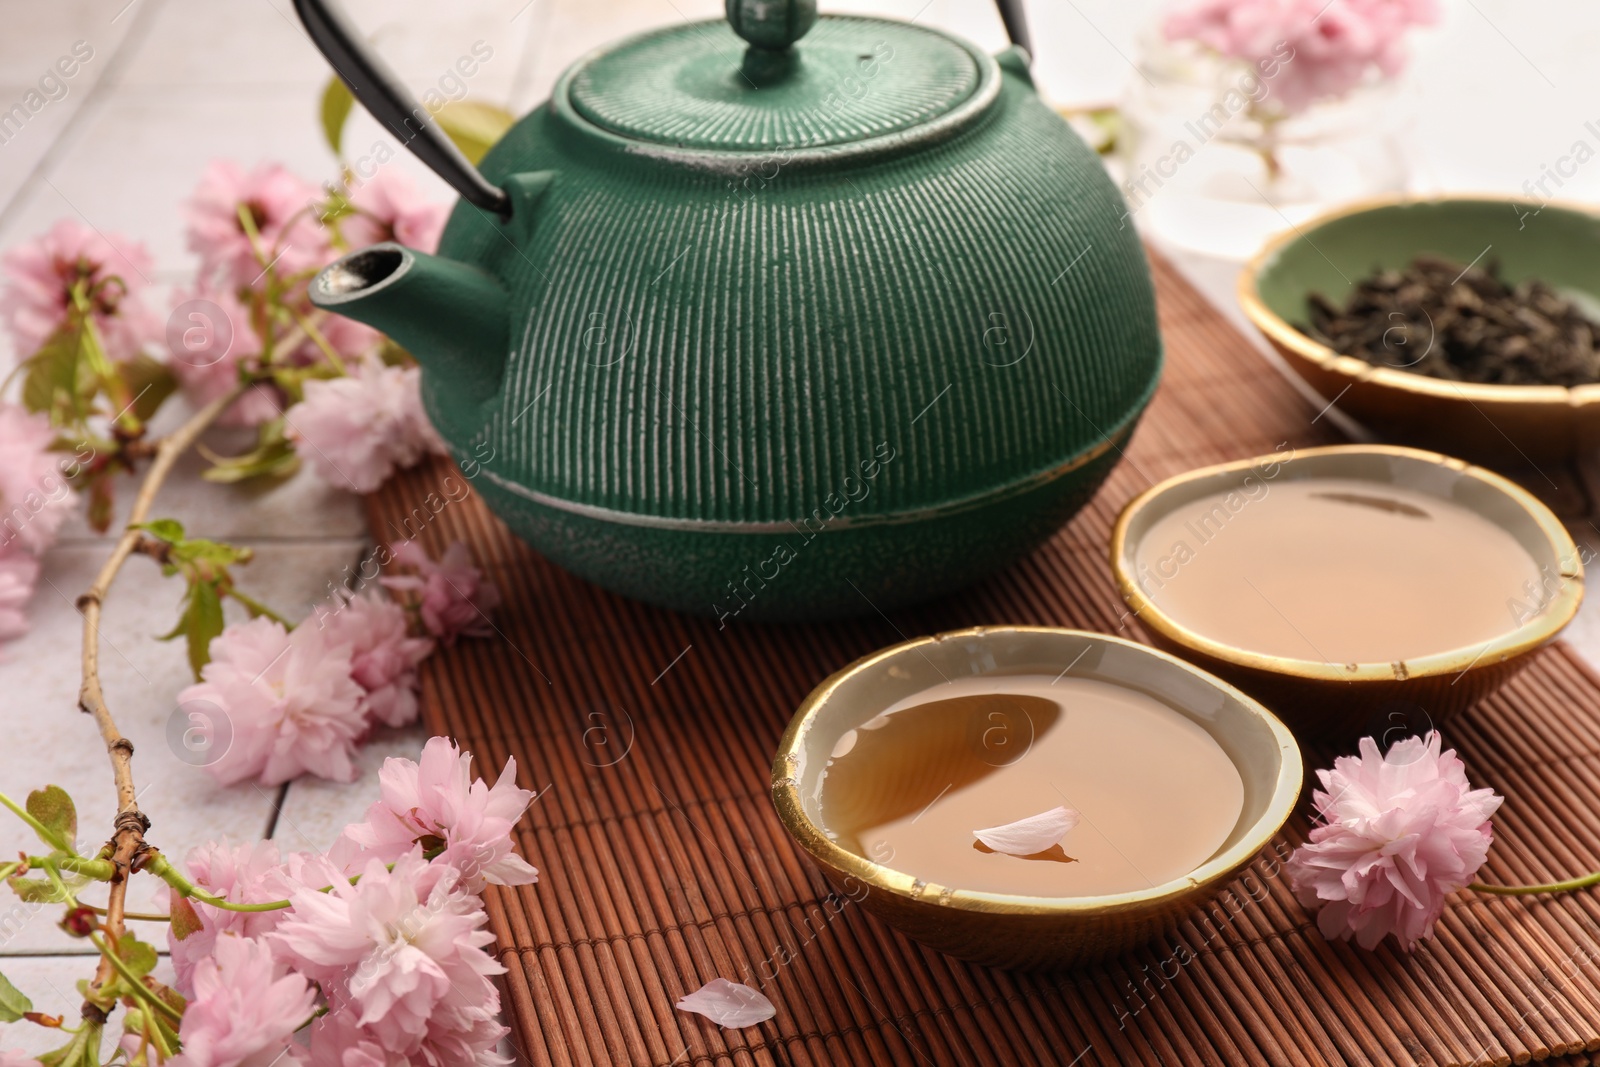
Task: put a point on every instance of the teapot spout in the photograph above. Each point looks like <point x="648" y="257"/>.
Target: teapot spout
<point x="449" y="315"/>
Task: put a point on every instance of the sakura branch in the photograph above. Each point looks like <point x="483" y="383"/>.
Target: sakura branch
<point x="261" y="943"/>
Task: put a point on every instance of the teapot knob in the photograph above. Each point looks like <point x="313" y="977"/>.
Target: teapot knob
<point x="772" y="25"/>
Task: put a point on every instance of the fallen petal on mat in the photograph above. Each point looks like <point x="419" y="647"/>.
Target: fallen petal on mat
<point x="729" y="1004"/>
<point x="1025" y="837"/>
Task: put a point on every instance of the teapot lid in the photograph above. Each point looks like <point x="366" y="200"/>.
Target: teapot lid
<point x="853" y="84"/>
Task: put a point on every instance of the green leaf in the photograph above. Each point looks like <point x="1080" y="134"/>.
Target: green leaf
<point x="82" y="1051"/>
<point x="54" y="808"/>
<point x="273" y="457"/>
<point x="139" y="956"/>
<point x="474" y="127"/>
<point x="337" y="206"/>
<point x="204" y="550"/>
<point x="168" y="530"/>
<point x="149" y="381"/>
<point x="102" y="503"/>
<point x="51" y="380"/>
<point x="185" y="920"/>
<point x="13" y="1002"/>
<point x="35" y="890"/>
<point x="336" y="103"/>
<point x="202" y="621"/>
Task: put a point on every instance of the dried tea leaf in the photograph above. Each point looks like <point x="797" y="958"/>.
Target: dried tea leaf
<point x="1460" y="322"/>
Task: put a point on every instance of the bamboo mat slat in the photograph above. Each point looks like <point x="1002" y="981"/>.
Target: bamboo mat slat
<point x="649" y="735"/>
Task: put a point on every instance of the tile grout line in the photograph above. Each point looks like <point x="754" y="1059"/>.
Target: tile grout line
<point x="131" y="42"/>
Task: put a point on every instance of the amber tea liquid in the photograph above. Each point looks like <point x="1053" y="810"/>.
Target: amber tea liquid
<point x="1338" y="571"/>
<point x="1157" y="794"/>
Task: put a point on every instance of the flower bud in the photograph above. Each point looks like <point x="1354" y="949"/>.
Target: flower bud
<point x="80" y="921"/>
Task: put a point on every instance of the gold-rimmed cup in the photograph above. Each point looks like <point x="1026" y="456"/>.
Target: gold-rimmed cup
<point x="1339" y="702"/>
<point x="1505" y="425"/>
<point x="1007" y="930"/>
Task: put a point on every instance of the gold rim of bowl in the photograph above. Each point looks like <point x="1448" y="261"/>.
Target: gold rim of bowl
<point x="1286" y="336"/>
<point x="787" y="766"/>
<point x="1530" y="635"/>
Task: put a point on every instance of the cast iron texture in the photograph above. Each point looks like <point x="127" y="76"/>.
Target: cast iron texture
<point x="931" y="350"/>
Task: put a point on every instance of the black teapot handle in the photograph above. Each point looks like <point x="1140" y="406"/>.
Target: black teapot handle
<point x="381" y="93"/>
<point x="1016" y="23"/>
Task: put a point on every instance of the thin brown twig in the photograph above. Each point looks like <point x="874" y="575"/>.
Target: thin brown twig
<point x="127" y="845"/>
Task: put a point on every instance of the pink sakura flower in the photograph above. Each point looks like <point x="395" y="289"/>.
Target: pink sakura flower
<point x="242" y="874"/>
<point x="40" y="277"/>
<point x="384" y="656"/>
<point x="338" y="1041"/>
<point x="399" y="951"/>
<point x="19" y="573"/>
<point x="389" y="208"/>
<point x="284" y="209"/>
<point x="455" y="596"/>
<point x="245" y="1009"/>
<point x="357" y="430"/>
<point x="437" y="803"/>
<point x="288" y="699"/>
<point x="351" y="339"/>
<point x="214" y="342"/>
<point x="731" y="1005"/>
<point x="1402" y="831"/>
<point x="13" y="1058"/>
<point x="1322" y="50"/>
<point x="35" y="497"/>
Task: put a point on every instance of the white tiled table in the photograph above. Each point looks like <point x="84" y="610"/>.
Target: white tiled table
<point x="175" y="83"/>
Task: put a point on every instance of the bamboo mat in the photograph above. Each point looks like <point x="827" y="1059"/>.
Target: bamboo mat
<point x="649" y="737"/>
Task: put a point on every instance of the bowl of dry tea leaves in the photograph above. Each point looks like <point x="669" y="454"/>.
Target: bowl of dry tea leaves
<point x="1470" y="325"/>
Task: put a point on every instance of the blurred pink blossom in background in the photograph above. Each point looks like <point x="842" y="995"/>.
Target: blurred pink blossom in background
<point x="1335" y="44"/>
<point x="212" y="369"/>
<point x="284" y="208"/>
<point x="389" y="208"/>
<point x="455" y="598"/>
<point x="359" y="429"/>
<point x="289" y="700"/>
<point x="383" y="655"/>
<point x="34" y="495"/>
<point x="113" y="270"/>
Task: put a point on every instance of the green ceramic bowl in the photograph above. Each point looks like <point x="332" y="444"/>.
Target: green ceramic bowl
<point x="1496" y="424"/>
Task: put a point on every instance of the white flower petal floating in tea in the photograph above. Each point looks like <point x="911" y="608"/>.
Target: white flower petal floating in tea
<point x="1025" y="837"/>
<point x="728" y="1004"/>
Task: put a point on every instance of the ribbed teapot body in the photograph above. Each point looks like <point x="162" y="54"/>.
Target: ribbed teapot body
<point x="790" y="386"/>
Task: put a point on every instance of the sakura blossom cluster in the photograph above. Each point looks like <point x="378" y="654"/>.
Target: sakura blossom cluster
<point x="1334" y="46"/>
<point x="70" y="267"/>
<point x="357" y="430"/>
<point x="325" y="387"/>
<point x="35" y="499"/>
<point x="381" y="944"/>
<point x="302" y="700"/>
<point x="1400" y="832"/>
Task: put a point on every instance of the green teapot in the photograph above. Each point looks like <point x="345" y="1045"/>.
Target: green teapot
<point x="774" y="318"/>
